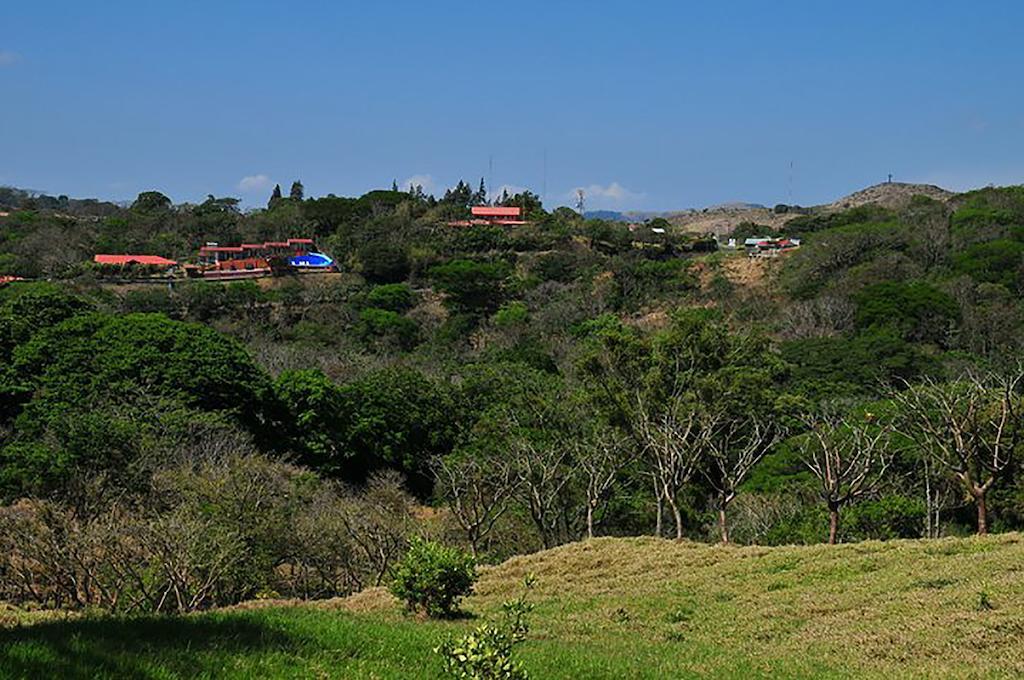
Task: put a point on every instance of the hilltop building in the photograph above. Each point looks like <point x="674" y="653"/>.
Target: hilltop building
<point x="490" y="216"/>
<point x="149" y="263"/>
<point x="769" y="247"/>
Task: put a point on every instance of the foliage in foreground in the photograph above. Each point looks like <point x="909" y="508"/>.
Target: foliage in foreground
<point x="605" y="609"/>
<point x="209" y="532"/>
<point x="486" y="653"/>
<point x="433" y="578"/>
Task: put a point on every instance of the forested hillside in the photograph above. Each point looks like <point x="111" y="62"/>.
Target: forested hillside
<point x="505" y="389"/>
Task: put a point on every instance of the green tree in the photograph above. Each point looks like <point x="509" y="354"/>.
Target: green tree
<point x="313" y="415"/>
<point x="275" y="197"/>
<point x="297" y="192"/>
<point x="151" y="201"/>
<point x="384" y="262"/>
<point x="471" y="286"/>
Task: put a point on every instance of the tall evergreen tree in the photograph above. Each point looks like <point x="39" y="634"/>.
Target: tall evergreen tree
<point x="275" y="197"/>
<point x="394" y="185"/>
<point x="480" y="197"/>
<point x="297" y="192"/>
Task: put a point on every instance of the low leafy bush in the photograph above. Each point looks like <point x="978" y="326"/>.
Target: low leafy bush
<point x="433" y="578"/>
<point x="486" y="653"/>
<point x="394" y="297"/>
<point x="383" y="323"/>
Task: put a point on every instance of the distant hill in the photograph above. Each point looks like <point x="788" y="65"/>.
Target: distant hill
<point x="723" y="218"/>
<point x="892" y="195"/>
<point x="609" y="215"/>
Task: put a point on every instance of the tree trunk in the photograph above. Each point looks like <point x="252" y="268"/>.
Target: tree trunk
<point x="590" y="520"/>
<point x="833" y="524"/>
<point x="722" y="525"/>
<point x="979" y="500"/>
<point x="677" y="518"/>
<point x="660" y="511"/>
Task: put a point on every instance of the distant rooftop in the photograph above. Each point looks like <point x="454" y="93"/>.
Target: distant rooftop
<point x="496" y="211"/>
<point x="133" y="259"/>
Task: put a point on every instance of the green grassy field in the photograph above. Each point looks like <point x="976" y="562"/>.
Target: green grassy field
<point x="609" y="608"/>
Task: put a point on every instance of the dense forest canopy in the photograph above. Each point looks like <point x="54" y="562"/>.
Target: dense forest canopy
<point x="531" y="384"/>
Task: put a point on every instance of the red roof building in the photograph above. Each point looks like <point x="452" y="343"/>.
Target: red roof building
<point x="123" y="260"/>
<point x="213" y="253"/>
<point x="488" y="215"/>
<point x="495" y="211"/>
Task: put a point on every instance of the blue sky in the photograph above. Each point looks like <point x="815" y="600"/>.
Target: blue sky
<point x="647" y="105"/>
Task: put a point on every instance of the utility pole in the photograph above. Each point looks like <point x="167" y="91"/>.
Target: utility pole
<point x="544" y="181"/>
<point x="790" y="183"/>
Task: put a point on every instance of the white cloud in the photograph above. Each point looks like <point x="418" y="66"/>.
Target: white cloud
<point x="425" y="181"/>
<point x="254" y="183"/>
<point x="613" y="195"/>
<point x="7" y="57"/>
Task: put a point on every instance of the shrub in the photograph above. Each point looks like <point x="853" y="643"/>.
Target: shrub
<point x="1000" y="261"/>
<point x="394" y="297"/>
<point x="486" y="653"/>
<point x="384" y="262"/>
<point x="886" y="518"/>
<point x="511" y="314"/>
<point x="155" y="300"/>
<point x="917" y="311"/>
<point x="382" y="323"/>
<point x="433" y="578"/>
<point x="471" y="286"/>
<point x="559" y="265"/>
<point x="209" y="531"/>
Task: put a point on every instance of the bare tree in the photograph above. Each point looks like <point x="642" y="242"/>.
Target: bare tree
<point x="601" y="454"/>
<point x="732" y="443"/>
<point x="848" y="456"/>
<point x="379" y="522"/>
<point x="670" y="447"/>
<point x="478" y="489"/>
<point x="546" y="471"/>
<point x="970" y="427"/>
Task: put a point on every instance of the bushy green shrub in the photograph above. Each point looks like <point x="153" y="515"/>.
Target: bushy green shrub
<point x="384" y="262"/>
<point x="511" y="314"/>
<point x="888" y="517"/>
<point x="433" y="578"/>
<point x="156" y="300"/>
<point x="394" y="297"/>
<point x="486" y="653"/>
<point x="471" y="286"/>
<point x="558" y="265"/>
<point x="1000" y="261"/>
<point x="916" y="310"/>
<point x="383" y="323"/>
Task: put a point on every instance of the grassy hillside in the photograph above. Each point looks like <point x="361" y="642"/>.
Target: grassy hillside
<point x="610" y="608"/>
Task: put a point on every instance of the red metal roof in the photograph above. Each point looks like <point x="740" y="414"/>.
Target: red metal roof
<point x="133" y="259"/>
<point x="275" y="244"/>
<point x="300" y="240"/>
<point x="496" y="211"/>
